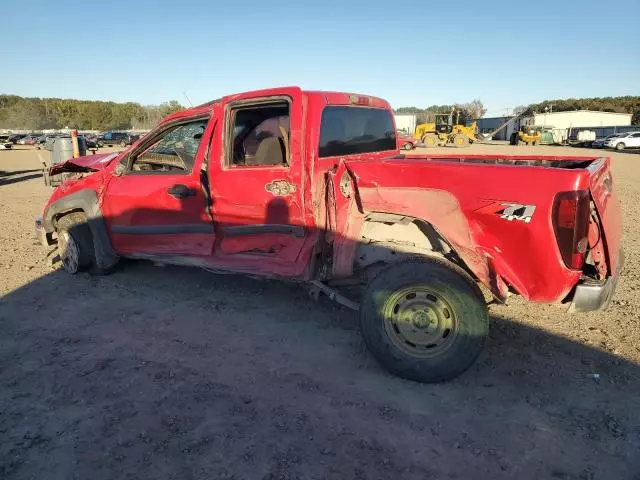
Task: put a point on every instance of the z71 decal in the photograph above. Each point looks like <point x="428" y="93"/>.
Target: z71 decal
<point x="510" y="211"/>
<point x="516" y="211"/>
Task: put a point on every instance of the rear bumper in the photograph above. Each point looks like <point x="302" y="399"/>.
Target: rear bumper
<point x="590" y="296"/>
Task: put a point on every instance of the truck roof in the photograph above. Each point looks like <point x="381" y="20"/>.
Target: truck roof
<point x="329" y="97"/>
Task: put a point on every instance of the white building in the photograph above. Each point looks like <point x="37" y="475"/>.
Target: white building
<point x="562" y="122"/>
<point x="405" y="122"/>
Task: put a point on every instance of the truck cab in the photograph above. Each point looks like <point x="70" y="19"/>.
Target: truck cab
<point x="311" y="187"/>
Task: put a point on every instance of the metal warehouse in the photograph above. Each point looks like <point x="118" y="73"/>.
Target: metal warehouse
<point x="562" y="122"/>
<point x="559" y="122"/>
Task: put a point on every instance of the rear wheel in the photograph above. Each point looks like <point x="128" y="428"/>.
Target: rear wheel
<point x="408" y="146"/>
<point x="620" y="146"/>
<point x="430" y="140"/>
<point x="460" y="140"/>
<point x="123" y="143"/>
<point x="424" y="320"/>
<point x="75" y="244"/>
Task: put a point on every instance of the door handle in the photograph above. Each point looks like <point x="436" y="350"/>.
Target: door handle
<point x="181" y="191"/>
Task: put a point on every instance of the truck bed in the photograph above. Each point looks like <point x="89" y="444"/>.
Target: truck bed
<point x="514" y="160"/>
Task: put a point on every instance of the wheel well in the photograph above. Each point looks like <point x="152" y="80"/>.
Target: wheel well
<point x="389" y="238"/>
<point x="58" y="216"/>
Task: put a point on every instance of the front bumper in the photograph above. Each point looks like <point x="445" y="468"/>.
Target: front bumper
<point x="44" y="238"/>
<point x="590" y="296"/>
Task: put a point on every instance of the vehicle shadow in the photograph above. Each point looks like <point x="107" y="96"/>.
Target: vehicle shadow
<point x="176" y="372"/>
<point x="9" y="177"/>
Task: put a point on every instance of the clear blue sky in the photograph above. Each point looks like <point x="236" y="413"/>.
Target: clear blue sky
<point x="506" y="53"/>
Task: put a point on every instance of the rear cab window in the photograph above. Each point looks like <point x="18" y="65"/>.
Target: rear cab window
<point x="352" y="130"/>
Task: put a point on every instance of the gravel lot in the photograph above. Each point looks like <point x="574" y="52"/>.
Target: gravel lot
<point x="158" y="373"/>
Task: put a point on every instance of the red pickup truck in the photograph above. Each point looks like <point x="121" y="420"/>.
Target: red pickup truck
<point x="312" y="187"/>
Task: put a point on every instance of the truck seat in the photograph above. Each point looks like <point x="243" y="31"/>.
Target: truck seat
<point x="271" y="151"/>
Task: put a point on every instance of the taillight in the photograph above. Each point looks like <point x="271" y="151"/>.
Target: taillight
<point x="571" y="225"/>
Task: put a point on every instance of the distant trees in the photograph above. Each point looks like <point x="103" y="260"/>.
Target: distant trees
<point x="626" y="104"/>
<point x="468" y="111"/>
<point x="44" y="113"/>
<point x="519" y="110"/>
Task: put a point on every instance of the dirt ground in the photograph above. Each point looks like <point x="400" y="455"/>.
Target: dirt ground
<point x="175" y="373"/>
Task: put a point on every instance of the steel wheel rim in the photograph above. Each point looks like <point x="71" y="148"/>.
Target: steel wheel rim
<point x="69" y="252"/>
<point x="419" y="321"/>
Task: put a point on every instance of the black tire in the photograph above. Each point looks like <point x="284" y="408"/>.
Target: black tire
<point x="123" y="143"/>
<point x="620" y="146"/>
<point x="408" y="146"/>
<point x="437" y="297"/>
<point x="459" y="140"/>
<point x="74" y="233"/>
<point x="430" y="140"/>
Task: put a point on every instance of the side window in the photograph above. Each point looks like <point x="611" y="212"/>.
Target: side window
<point x="173" y="150"/>
<point x="107" y="136"/>
<point x="259" y="135"/>
<point x="636" y="135"/>
<point x="354" y="130"/>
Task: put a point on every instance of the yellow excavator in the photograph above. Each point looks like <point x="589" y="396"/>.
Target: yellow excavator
<point x="444" y="132"/>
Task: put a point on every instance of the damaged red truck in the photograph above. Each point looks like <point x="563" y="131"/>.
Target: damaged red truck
<point x="311" y="187"/>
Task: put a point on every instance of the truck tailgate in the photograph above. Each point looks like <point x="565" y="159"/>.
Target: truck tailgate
<point x="605" y="197"/>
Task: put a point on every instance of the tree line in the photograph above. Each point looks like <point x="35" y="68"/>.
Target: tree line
<point x="467" y="111"/>
<point x="627" y="104"/>
<point x="475" y="109"/>
<point x="54" y="113"/>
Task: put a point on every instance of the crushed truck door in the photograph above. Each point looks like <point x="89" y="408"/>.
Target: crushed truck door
<point x="155" y="202"/>
<point x="256" y="180"/>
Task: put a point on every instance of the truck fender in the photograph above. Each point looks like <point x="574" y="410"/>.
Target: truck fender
<point x="440" y="211"/>
<point x="87" y="201"/>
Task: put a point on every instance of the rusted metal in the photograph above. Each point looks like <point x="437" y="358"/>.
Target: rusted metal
<point x="596" y="248"/>
<point x="334" y="295"/>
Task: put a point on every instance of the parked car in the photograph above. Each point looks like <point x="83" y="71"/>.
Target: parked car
<point x="111" y="139"/>
<point x="406" y="141"/>
<point x="308" y="187"/>
<point x="42" y="140"/>
<point x="30" y="139"/>
<point x="599" y="142"/>
<point x="624" y="140"/>
<point x="90" y="141"/>
<point x="5" y="143"/>
<point x="16" y="137"/>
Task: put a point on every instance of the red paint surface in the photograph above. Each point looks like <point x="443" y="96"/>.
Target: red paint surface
<point x="459" y="198"/>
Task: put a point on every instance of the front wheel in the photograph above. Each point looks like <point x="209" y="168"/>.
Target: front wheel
<point x="620" y="146"/>
<point x="430" y="140"/>
<point x="424" y="320"/>
<point x="460" y="140"/>
<point x="75" y="243"/>
<point x="123" y="143"/>
<point x="408" y="146"/>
